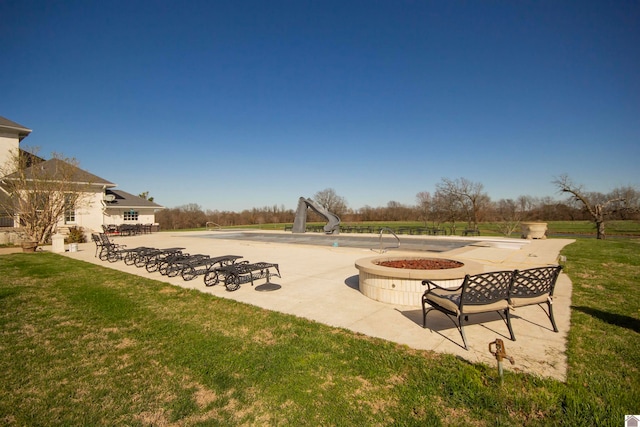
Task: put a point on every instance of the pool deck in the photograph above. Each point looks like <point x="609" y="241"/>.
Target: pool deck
<point x="320" y="282"/>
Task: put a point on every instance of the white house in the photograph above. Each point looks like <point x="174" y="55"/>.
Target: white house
<point x="102" y="204"/>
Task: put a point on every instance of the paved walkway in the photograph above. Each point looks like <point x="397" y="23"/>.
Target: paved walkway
<point x="321" y="283"/>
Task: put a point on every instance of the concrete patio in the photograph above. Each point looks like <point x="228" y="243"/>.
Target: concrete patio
<point x="320" y="282"/>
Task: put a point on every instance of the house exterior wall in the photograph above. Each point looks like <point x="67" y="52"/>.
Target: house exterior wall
<point x="116" y="216"/>
<point x="88" y="213"/>
<point x="92" y="214"/>
<point x="9" y="145"/>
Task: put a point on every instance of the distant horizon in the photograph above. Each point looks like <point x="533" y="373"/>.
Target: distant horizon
<point x="238" y="105"/>
<point x="267" y="206"/>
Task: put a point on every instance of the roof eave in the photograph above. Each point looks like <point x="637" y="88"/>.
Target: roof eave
<point x="133" y="207"/>
<point x="21" y="131"/>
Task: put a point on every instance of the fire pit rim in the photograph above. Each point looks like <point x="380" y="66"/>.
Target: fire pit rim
<point x="369" y="265"/>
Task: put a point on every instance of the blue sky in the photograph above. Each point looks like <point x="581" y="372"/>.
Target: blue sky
<point x="241" y="104"/>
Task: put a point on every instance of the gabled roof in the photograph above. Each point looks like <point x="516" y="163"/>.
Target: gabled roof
<point x="122" y="199"/>
<point x="51" y="167"/>
<point x="6" y="124"/>
<point x="28" y="158"/>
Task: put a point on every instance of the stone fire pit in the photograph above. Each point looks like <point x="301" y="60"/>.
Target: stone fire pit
<point x="402" y="283"/>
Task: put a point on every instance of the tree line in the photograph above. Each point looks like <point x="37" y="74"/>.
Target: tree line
<point x="41" y="197"/>
<point x="454" y="200"/>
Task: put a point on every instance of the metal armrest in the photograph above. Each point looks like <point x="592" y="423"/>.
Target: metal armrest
<point x="431" y="285"/>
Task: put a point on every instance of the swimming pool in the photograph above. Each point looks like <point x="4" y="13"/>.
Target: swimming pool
<point x="413" y="243"/>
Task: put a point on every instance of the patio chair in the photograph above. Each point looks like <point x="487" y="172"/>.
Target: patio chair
<point x="480" y="293"/>
<point x="99" y="244"/>
<point x="109" y="229"/>
<point x="108" y="250"/>
<point x="535" y="286"/>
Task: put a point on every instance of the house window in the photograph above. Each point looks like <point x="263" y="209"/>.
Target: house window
<point x="70" y="216"/>
<point x="69" y="211"/>
<point x="6" y="221"/>
<point x="131" y="215"/>
<point x="39" y="200"/>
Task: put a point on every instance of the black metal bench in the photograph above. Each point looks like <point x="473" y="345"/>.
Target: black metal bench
<point x="500" y="291"/>
<point x="535" y="286"/>
<point x="236" y="274"/>
<point x="434" y="231"/>
<point x="480" y="293"/>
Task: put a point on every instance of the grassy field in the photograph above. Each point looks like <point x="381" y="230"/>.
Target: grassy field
<point x="581" y="228"/>
<point x="85" y="345"/>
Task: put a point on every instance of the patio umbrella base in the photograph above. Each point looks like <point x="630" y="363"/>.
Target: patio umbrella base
<point x="268" y="287"/>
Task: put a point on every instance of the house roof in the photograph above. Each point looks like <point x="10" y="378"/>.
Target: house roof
<point x="28" y="158"/>
<point x="122" y="199"/>
<point x="50" y="168"/>
<point x="6" y="124"/>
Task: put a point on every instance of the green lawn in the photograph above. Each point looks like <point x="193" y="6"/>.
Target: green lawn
<point x="85" y="345"/>
<point x="580" y="228"/>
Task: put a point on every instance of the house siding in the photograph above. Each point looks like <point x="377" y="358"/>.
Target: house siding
<point x="145" y="216"/>
<point x="8" y="147"/>
<point x="88" y="214"/>
<point x="92" y="212"/>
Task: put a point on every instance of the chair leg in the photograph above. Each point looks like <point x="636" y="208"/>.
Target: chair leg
<point x="553" y="320"/>
<point x="425" y="311"/>
<point x="458" y="325"/>
<point x="461" y="329"/>
<point x="507" y="315"/>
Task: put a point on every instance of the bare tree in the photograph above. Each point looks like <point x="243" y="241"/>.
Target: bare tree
<point x="447" y="208"/>
<point x="629" y="206"/>
<point x="468" y="195"/>
<point x="39" y="193"/>
<point x="396" y="211"/>
<point x="526" y="204"/>
<point x="331" y="201"/>
<point x="367" y="213"/>
<point x="425" y="206"/>
<point x="510" y="214"/>
<point x="598" y="205"/>
<point x="183" y="217"/>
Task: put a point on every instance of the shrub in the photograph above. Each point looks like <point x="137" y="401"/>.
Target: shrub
<point x="76" y="235"/>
